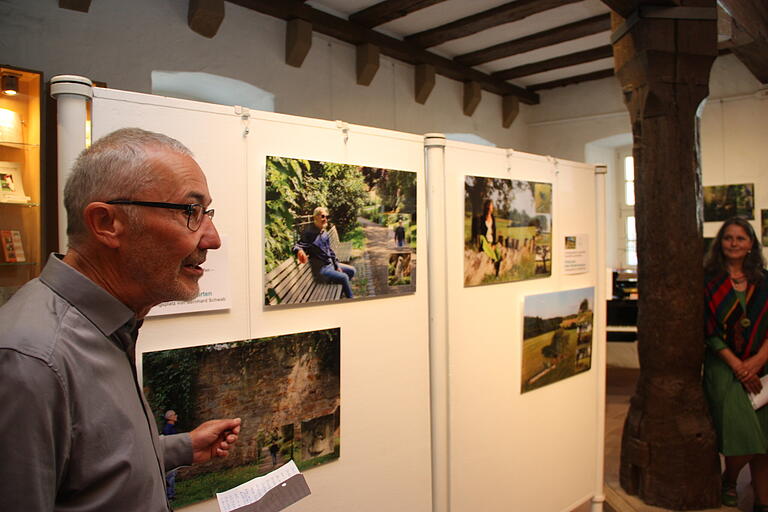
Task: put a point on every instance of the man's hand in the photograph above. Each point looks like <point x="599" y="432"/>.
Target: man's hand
<point x="213" y="439"/>
<point x="303" y="258"/>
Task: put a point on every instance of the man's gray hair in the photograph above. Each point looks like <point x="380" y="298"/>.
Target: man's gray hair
<point x="116" y="166"/>
<point x="170" y="413"/>
<point x="320" y="209"/>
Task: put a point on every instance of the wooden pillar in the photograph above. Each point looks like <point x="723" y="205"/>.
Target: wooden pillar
<point x="424" y="82"/>
<point x="367" y="63"/>
<point x="298" y="41"/>
<point x="205" y="16"/>
<point x="663" y="57"/>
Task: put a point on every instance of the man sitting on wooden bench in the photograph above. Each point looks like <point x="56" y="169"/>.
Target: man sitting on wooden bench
<point x="315" y="246"/>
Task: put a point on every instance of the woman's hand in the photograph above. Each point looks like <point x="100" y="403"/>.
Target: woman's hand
<point x="756" y="363"/>
<point x="745" y="373"/>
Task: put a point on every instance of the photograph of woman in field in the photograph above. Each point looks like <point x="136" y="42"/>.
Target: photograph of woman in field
<point x="507" y="230"/>
<point x="331" y="228"/>
<point x="557" y="336"/>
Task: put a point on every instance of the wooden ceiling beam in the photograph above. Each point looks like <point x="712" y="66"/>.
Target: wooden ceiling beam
<point x="298" y="41"/>
<point x="423" y="82"/>
<point x="507" y="13"/>
<point x="749" y="34"/>
<point x="586" y="77"/>
<point x="367" y="63"/>
<point x="750" y="15"/>
<point x="472" y="96"/>
<point x="569" y="32"/>
<point x="75" y="5"/>
<point x="205" y="16"/>
<point x="510" y="107"/>
<point x="601" y="52"/>
<point x="389" y="10"/>
<point x="346" y="31"/>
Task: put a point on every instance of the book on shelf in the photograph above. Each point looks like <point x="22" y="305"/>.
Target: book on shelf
<point x="13" y="250"/>
<point x="11" y="185"/>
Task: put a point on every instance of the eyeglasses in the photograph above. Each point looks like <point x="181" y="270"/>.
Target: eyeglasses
<point x="323" y="216"/>
<point x="195" y="212"/>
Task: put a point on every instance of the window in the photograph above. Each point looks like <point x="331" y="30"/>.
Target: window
<point x="628" y="234"/>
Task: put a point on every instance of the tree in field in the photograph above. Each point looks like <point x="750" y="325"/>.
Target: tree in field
<point x="557" y="346"/>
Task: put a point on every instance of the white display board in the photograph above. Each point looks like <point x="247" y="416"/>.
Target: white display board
<point x="508" y="451"/>
<point x="385" y="432"/>
<point x="489" y="447"/>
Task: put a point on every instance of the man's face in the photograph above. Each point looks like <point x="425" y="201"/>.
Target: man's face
<point x="321" y="219"/>
<point x="162" y="256"/>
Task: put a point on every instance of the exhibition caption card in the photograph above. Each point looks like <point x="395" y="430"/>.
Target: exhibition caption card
<point x="269" y="493"/>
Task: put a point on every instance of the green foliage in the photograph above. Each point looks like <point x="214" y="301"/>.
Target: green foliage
<point x="357" y="237"/>
<point x="169" y="380"/>
<point x="410" y="235"/>
<point x="295" y="188"/>
<point x="284" y="177"/>
<point x="396" y="189"/>
<point x="205" y="486"/>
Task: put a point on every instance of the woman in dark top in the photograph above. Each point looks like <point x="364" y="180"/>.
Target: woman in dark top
<point x="484" y="234"/>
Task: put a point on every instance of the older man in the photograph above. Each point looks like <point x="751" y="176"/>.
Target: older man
<point x="77" y="433"/>
<point x="315" y="246"/>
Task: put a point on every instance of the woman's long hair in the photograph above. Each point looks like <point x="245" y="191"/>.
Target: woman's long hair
<point x="486" y="208"/>
<point x="754" y="263"/>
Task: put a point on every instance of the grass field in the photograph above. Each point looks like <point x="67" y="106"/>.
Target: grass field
<point x="504" y="229"/>
<point x="533" y="361"/>
<point x="203" y="487"/>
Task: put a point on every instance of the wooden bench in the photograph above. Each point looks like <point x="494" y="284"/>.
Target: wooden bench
<point x="294" y="283"/>
<point x="343" y="250"/>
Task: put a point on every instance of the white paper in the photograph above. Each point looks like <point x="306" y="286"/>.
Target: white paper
<point x="214" y="287"/>
<point x="253" y="490"/>
<point x="760" y="399"/>
<point x="576" y="254"/>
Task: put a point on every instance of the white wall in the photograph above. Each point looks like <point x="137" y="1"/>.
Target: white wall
<point x="121" y="43"/>
<point x="589" y="122"/>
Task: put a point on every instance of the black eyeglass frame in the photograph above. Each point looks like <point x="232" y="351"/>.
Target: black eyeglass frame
<point x="188" y="208"/>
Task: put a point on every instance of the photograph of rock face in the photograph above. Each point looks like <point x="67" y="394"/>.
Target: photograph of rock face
<point x="331" y="228"/>
<point x="507" y="230"/>
<point x="721" y="202"/>
<point x="285" y="389"/>
<point x="557" y="336"/>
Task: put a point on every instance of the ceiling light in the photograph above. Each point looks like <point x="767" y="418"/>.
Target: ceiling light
<point x="10" y="84"/>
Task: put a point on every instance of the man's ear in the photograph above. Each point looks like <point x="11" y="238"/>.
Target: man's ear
<point x="106" y="223"/>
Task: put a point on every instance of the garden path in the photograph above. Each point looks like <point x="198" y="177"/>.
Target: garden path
<point x="380" y="244"/>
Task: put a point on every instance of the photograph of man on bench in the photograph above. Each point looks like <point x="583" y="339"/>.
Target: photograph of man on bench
<point x="333" y="230"/>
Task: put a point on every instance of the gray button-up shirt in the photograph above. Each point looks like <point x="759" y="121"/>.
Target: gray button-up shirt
<point x="76" y="432"/>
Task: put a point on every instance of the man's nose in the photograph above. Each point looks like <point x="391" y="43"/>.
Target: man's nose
<point x="210" y="238"/>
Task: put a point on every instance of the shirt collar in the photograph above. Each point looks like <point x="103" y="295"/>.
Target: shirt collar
<point x="106" y="312"/>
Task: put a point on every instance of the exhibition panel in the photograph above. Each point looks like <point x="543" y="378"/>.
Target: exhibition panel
<point x="385" y="396"/>
<point x="446" y="293"/>
<point x="384" y="356"/>
<point x="531" y="220"/>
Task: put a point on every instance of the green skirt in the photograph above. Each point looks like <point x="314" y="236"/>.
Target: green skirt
<point x="740" y="429"/>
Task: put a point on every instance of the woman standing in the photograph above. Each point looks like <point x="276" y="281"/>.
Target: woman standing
<point x="736" y="325"/>
<point x="484" y="232"/>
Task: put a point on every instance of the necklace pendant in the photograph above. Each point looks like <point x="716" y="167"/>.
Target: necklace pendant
<point x="745" y="322"/>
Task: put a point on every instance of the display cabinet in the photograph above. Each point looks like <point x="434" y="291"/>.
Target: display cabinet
<point x="21" y="120"/>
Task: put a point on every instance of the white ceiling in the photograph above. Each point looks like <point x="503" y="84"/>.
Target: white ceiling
<point x="451" y="10"/>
